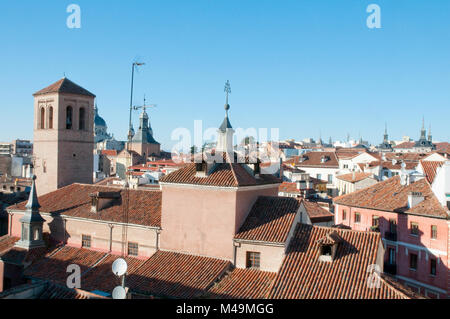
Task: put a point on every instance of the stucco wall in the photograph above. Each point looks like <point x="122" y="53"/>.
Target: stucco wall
<point x="271" y="257"/>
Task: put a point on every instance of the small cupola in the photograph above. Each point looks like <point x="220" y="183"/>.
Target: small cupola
<point x="328" y="246"/>
<point x="32" y="222"/>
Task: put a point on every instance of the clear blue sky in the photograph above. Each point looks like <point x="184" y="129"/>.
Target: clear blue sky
<point x="303" y="66"/>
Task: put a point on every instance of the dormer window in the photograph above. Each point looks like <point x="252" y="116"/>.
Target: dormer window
<point x="328" y="246"/>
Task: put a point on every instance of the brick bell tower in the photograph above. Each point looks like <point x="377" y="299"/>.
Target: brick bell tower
<point x="63" y="136"/>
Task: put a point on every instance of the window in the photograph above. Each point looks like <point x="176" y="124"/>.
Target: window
<point x="319" y="176"/>
<point x="375" y="221"/>
<point x="36" y="233"/>
<point x="345" y="166"/>
<point x="357" y="217"/>
<point x="393" y="226"/>
<point x="391" y="256"/>
<point x="50" y="117"/>
<point x="42" y="124"/>
<point x="413" y="261"/>
<point x="330" y="179"/>
<point x="253" y="259"/>
<point x="344" y="214"/>
<point x="69" y="115"/>
<point x="133" y="249"/>
<point x="414" y="229"/>
<point x="433" y="231"/>
<point x="325" y="250"/>
<point x="433" y="267"/>
<point x="85" y="241"/>
<point x="82" y="120"/>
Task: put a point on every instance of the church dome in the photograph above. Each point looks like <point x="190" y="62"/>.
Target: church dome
<point x="98" y="120"/>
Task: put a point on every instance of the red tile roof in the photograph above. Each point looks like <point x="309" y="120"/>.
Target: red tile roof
<point x="224" y="174"/>
<point x="109" y="152"/>
<point x="53" y="267"/>
<point x="354" y="178"/>
<point x="74" y="201"/>
<point x="288" y="188"/>
<point x="176" y="275"/>
<point x="316" y="213"/>
<point x="314" y="159"/>
<point x="7" y="242"/>
<point x="269" y="220"/>
<point x="243" y="284"/>
<point x="64" y="86"/>
<point x="101" y="277"/>
<point x="430" y="169"/>
<point x="303" y="276"/>
<point x="48" y="290"/>
<point x="390" y="195"/>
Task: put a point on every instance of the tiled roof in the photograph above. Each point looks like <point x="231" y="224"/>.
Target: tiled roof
<point x="430" y="169"/>
<point x="243" y="284"/>
<point x="7" y="242"/>
<point x="347" y="153"/>
<point x="223" y="174"/>
<point x="269" y="220"/>
<point x="303" y="276"/>
<point x="289" y="188"/>
<point x="109" y="152"/>
<point x="53" y="267"/>
<point x="176" y="275"/>
<point x="390" y="195"/>
<point x="65" y="86"/>
<point x="48" y="290"/>
<point x="101" y="277"/>
<point x="313" y="159"/>
<point x="74" y="201"/>
<point x="354" y="178"/>
<point x="316" y="213"/>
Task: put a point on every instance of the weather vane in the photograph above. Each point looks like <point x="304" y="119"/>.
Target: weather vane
<point x="145" y="106"/>
<point x="227" y="90"/>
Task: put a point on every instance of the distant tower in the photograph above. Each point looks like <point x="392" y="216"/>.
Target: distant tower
<point x="143" y="142"/>
<point x="423" y="131"/>
<point x="32" y="222"/>
<point x="430" y="137"/>
<point x="63" y="135"/>
<point x="226" y="132"/>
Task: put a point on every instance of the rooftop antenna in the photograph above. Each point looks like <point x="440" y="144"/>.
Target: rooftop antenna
<point x="145" y="106"/>
<point x="127" y="184"/>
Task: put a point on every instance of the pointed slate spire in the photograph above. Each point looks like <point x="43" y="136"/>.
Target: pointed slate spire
<point x="226" y="122"/>
<point x="33" y="203"/>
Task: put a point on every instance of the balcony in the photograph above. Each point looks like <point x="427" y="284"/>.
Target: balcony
<point x="390" y="236"/>
<point x="390" y="268"/>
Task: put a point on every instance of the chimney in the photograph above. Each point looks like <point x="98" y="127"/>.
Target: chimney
<point x="414" y="198"/>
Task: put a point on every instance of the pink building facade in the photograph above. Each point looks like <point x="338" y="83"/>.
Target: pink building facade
<point x="430" y="276"/>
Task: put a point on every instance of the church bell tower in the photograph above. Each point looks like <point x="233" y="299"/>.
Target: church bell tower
<point x="63" y="136"/>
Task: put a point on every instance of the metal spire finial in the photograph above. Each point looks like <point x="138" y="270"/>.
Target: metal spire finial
<point x="33" y="202"/>
<point x="227" y="90"/>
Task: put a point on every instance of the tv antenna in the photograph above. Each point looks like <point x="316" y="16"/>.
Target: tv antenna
<point x="119" y="268"/>
<point x="144" y="106"/>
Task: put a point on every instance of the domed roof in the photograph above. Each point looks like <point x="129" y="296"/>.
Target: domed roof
<point x="98" y="120"/>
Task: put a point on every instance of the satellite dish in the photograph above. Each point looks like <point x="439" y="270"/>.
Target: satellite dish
<point x="119" y="293"/>
<point x="119" y="267"/>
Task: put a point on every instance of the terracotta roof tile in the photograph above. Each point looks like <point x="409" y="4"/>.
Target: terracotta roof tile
<point x="303" y="276"/>
<point x="314" y="159"/>
<point x="53" y="267"/>
<point x="354" y="178"/>
<point x="269" y="220"/>
<point x="289" y="188"/>
<point x="316" y="213"/>
<point x="243" y="284"/>
<point x="224" y="174"/>
<point x="74" y="201"/>
<point x="430" y="169"/>
<point x="64" y="86"/>
<point x="177" y="275"/>
<point x="390" y="195"/>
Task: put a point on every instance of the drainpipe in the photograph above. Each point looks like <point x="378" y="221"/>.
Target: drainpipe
<point x="158" y="232"/>
<point x="10" y="223"/>
<point x="65" y="231"/>
<point x="111" y="226"/>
